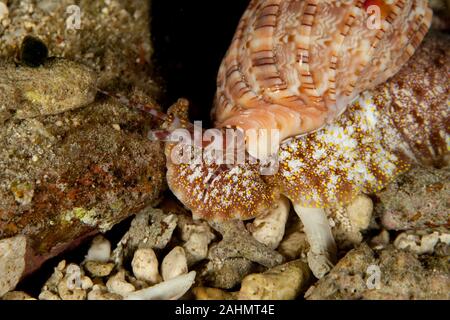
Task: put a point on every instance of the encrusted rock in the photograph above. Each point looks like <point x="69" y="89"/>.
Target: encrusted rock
<point x="57" y="86"/>
<point x="151" y="228"/>
<point x="66" y="176"/>
<point x="113" y="37"/>
<point x="389" y="274"/>
<point x="418" y="199"/>
<point x="226" y="274"/>
<point x="237" y="242"/>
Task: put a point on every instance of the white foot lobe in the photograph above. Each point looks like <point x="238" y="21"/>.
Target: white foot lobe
<point x="322" y="251"/>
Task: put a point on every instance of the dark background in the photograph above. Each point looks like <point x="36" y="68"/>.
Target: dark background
<point x="190" y="38"/>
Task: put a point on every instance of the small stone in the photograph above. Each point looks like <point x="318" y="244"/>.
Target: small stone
<point x="67" y="292"/>
<point x="203" y="293"/>
<point x="145" y="266"/>
<point x="118" y="285"/>
<point x="48" y="295"/>
<point x="360" y="212"/>
<point x="17" y="295"/>
<point x="101" y="295"/>
<point x="421" y="242"/>
<point x="294" y="246"/>
<point x="174" y="264"/>
<point x="284" y="282"/>
<point x="99" y="269"/>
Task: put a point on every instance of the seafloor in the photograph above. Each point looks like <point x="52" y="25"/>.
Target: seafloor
<point x="85" y="212"/>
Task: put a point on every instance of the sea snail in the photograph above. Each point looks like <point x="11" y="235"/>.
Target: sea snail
<point x="295" y="65"/>
<point x="324" y="57"/>
<point x="402" y="122"/>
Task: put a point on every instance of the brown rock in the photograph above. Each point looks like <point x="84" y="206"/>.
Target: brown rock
<point x="66" y="176"/>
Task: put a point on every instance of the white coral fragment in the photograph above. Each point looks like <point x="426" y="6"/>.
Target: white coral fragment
<point x="421" y="243"/>
<point x="168" y="290"/>
<point x="100" y="250"/>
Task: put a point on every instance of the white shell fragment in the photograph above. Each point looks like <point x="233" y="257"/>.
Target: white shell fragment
<point x="167" y="290"/>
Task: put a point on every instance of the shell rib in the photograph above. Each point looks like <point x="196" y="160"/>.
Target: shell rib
<point x="401" y="122"/>
<point x="294" y="65"/>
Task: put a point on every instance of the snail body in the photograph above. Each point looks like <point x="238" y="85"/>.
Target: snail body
<point x="295" y="65"/>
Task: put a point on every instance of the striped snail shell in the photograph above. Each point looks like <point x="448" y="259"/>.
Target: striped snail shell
<point x="295" y="65"/>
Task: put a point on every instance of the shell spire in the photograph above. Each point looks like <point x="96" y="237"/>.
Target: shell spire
<point x="295" y="65"/>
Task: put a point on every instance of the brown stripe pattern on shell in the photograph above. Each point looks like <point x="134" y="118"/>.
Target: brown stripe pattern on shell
<point x="402" y="122"/>
<point x="295" y="65"/>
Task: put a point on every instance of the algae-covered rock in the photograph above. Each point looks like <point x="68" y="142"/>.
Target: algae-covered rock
<point x="66" y="175"/>
<point x="416" y="200"/>
<point x="57" y="86"/>
<point x="386" y="274"/>
<point x="112" y="37"/>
